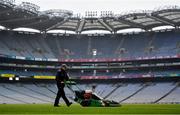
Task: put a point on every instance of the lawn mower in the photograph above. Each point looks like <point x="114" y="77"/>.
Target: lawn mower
<point x="87" y="98"/>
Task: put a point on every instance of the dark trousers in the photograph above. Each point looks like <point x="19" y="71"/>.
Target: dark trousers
<point x="60" y="94"/>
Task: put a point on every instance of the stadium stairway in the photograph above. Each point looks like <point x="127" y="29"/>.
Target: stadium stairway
<point x="11" y="96"/>
<point x="4" y="99"/>
<point x="173" y="89"/>
<point x="49" y="89"/>
<point x="27" y="94"/>
<point x="39" y="91"/>
<point x="111" y="92"/>
<point x="144" y="86"/>
<point x="104" y="89"/>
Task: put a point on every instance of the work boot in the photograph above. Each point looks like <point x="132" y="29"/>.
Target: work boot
<point x="69" y="104"/>
<point x="56" y="106"/>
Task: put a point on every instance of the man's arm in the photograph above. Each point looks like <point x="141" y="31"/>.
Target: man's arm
<point x="66" y="77"/>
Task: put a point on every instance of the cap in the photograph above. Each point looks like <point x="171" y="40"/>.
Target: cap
<point x="64" y="66"/>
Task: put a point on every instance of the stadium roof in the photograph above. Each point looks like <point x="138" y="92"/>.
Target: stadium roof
<point x="27" y="15"/>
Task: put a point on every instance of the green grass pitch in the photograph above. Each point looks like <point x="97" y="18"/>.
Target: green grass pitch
<point x="46" y="109"/>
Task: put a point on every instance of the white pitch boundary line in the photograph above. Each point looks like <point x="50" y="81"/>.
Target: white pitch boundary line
<point x="89" y="114"/>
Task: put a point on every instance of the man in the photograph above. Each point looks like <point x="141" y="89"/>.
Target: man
<point x="61" y="77"/>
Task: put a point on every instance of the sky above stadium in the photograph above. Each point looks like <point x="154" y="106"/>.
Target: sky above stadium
<point x="117" y="6"/>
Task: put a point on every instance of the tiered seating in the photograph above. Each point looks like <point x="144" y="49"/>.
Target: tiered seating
<point x="81" y="46"/>
<point x="45" y="93"/>
<point x="21" y="98"/>
<point x="151" y="93"/>
<point x="173" y="97"/>
<point x="104" y="89"/>
<point x="124" y="91"/>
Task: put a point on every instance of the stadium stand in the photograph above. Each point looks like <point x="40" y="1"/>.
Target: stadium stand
<point x="125" y="93"/>
<point x="157" y="90"/>
<point x="173" y="96"/>
<point x="124" y="57"/>
<point x="71" y="47"/>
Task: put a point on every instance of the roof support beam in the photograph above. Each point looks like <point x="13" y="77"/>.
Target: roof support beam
<point x="18" y="19"/>
<point x="161" y="20"/>
<point x="133" y="24"/>
<point x="80" y="26"/>
<point x="171" y="14"/>
<point x="176" y="18"/>
<point x="33" y="23"/>
<point x="105" y="25"/>
<point x="58" y="24"/>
